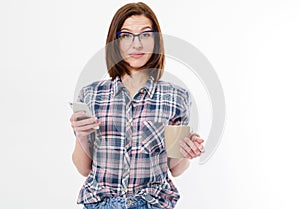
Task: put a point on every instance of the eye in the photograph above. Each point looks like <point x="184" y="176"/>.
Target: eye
<point x="125" y="36"/>
<point x="146" y="35"/>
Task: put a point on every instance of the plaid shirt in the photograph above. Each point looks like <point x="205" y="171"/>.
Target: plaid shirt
<point x="129" y="155"/>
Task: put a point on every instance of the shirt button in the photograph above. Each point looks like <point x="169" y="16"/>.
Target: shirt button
<point x="142" y="91"/>
<point x="129" y="202"/>
<point x="124" y="190"/>
<point x="128" y="124"/>
<point x="134" y="105"/>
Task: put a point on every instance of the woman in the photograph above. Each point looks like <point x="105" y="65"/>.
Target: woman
<point x="128" y="167"/>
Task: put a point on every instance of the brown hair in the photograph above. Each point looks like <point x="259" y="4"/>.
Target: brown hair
<point x="115" y="64"/>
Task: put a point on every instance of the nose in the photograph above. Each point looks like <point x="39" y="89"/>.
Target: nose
<point x="137" y="43"/>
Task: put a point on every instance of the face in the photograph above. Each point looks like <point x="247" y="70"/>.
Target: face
<point x="136" y="50"/>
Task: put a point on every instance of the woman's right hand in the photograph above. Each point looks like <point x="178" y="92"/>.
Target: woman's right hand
<point x="83" y="127"/>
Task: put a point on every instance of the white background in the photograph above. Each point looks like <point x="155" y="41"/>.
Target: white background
<point x="254" y="48"/>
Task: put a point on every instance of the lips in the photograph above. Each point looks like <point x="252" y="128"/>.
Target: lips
<point x="136" y="55"/>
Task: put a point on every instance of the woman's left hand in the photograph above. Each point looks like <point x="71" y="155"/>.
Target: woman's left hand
<point x="192" y="147"/>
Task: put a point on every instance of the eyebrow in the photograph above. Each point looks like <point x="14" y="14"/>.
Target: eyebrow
<point x="146" y="27"/>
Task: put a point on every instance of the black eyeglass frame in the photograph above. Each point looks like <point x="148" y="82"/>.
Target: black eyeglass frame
<point x="134" y="35"/>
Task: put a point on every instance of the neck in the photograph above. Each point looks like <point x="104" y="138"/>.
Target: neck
<point x="136" y="80"/>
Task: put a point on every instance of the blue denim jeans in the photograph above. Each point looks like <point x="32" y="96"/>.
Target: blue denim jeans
<point x="120" y="203"/>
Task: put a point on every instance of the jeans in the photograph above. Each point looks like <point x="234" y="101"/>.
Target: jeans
<point x="120" y="203"/>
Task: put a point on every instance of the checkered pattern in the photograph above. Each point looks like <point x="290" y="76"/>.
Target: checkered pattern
<point x="129" y="155"/>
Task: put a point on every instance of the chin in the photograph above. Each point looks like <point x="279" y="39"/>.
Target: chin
<point x="136" y="64"/>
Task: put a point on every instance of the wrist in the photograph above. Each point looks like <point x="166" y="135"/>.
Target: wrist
<point x="82" y="139"/>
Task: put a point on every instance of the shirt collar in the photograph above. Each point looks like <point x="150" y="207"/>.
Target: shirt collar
<point x="150" y="86"/>
<point x="117" y="86"/>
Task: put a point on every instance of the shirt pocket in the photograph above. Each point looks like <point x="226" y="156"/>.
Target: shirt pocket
<point x="153" y="137"/>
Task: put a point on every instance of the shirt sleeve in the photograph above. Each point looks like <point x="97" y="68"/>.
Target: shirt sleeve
<point x="182" y="112"/>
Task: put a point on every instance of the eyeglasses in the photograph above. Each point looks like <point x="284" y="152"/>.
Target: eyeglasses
<point x="127" y="38"/>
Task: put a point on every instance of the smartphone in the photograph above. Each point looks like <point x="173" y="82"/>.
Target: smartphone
<point x="80" y="106"/>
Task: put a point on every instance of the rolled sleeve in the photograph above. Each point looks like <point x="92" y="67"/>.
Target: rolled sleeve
<point x="182" y="112"/>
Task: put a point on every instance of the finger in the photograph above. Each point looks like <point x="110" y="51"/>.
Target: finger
<point x="78" y="115"/>
<point x="72" y="118"/>
<point x="75" y="115"/>
<point x="85" y="133"/>
<point x="86" y="127"/>
<point x="197" y="139"/>
<point x="187" y="149"/>
<point x="194" y="135"/>
<point x="185" y="153"/>
<point x="87" y="121"/>
<point x="192" y="145"/>
<point x="202" y="149"/>
<point x="200" y="146"/>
